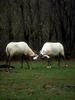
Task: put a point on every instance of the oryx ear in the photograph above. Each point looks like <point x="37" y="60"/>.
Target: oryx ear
<point x="36" y="57"/>
<point x="47" y="56"/>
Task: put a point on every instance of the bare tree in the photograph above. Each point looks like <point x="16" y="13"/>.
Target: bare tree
<point x="26" y="35"/>
<point x="9" y="16"/>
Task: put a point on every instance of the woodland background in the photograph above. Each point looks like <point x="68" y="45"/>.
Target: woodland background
<point x="36" y="22"/>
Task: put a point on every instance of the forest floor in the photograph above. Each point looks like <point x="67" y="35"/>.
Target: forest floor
<point x="38" y="83"/>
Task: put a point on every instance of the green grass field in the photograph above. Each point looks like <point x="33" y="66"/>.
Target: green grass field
<point x="39" y="83"/>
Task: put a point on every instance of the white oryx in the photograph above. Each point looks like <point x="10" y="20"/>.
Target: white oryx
<point x="19" y="48"/>
<point x="51" y="49"/>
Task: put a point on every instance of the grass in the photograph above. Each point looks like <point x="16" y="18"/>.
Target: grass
<point x="39" y="83"/>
